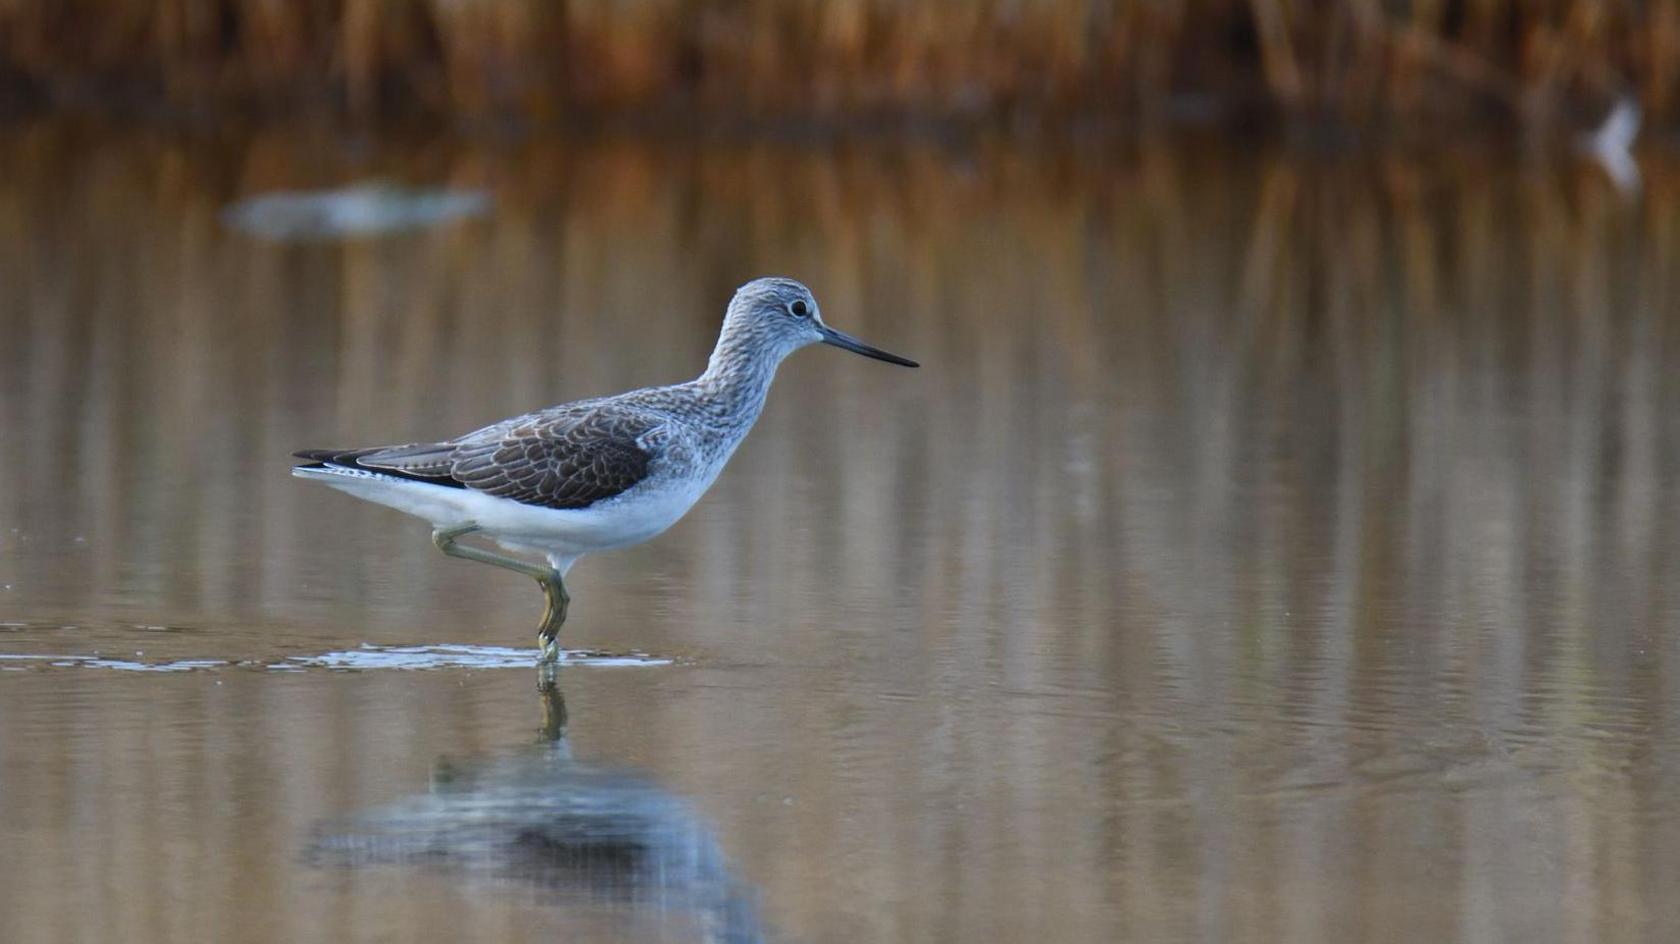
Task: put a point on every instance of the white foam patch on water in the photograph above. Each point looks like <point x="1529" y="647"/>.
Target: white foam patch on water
<point x="450" y="656"/>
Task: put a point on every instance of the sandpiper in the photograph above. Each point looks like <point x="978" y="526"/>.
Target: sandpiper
<point x="598" y="474"/>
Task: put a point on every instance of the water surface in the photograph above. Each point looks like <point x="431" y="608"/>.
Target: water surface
<point x="1274" y="546"/>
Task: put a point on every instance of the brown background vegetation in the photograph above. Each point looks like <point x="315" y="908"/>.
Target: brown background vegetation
<point x="769" y="59"/>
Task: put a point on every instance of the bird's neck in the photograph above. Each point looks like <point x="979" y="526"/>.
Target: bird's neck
<point x="737" y="378"/>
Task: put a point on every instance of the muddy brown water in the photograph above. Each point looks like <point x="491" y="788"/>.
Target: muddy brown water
<point x="1275" y="546"/>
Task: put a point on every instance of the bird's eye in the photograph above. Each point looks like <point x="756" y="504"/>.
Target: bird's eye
<point x="798" y="309"/>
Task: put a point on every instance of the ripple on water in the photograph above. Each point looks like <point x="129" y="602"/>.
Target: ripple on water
<point x="22" y="661"/>
<point x="452" y="656"/>
<point x="368" y="657"/>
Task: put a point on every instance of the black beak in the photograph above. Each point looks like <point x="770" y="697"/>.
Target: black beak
<point x="843" y="340"/>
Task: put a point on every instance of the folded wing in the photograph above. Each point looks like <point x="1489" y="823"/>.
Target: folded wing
<point x="564" y="459"/>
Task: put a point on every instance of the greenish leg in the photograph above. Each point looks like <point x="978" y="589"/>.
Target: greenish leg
<point x="554" y="615"/>
<point x="553" y="585"/>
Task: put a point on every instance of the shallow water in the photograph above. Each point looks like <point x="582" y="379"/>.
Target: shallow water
<point x="1276" y="545"/>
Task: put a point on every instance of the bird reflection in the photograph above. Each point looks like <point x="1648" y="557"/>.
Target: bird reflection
<point x="583" y="835"/>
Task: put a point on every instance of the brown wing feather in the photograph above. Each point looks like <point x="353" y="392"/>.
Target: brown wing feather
<point x="352" y="458"/>
<point x="562" y="458"/>
<point x="558" y="461"/>
<point x="566" y="457"/>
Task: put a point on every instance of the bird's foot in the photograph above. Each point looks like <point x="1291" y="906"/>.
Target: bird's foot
<point x="550" y="650"/>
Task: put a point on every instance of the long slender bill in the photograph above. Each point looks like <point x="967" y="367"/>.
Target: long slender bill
<point x="841" y="339"/>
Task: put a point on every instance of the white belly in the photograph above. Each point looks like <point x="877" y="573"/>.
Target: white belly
<point x="562" y="534"/>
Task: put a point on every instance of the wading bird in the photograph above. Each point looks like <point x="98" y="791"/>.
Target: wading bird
<point x="596" y="474"/>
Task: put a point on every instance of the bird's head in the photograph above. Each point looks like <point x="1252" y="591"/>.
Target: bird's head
<point x="781" y="316"/>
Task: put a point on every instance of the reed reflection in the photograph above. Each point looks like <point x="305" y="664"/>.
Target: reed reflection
<point x="582" y="835"/>
<point x="1306" y="576"/>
